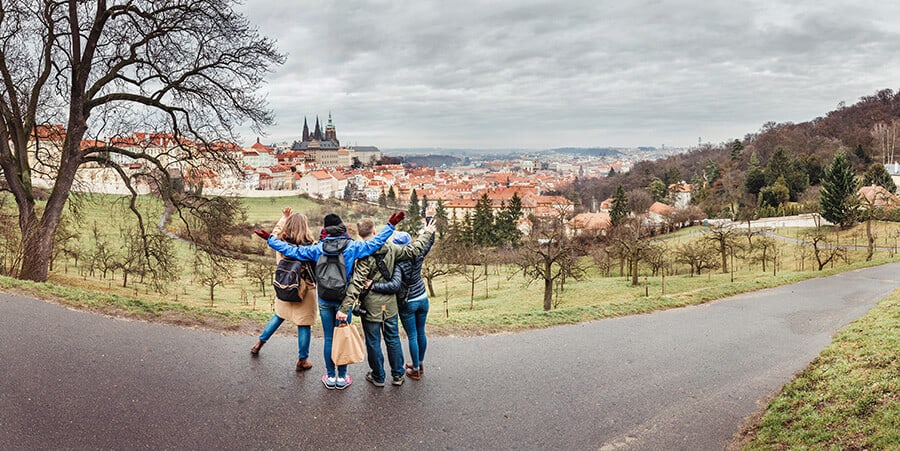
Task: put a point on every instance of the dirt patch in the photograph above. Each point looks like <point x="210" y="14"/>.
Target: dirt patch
<point x="749" y="427"/>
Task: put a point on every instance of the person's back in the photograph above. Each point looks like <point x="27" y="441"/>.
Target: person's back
<point x="415" y="311"/>
<point x="334" y="230"/>
<point x="411" y="271"/>
<point x="377" y="272"/>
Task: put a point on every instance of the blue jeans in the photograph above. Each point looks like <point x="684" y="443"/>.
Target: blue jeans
<point x="391" y="333"/>
<point x="413" y="319"/>
<point x="327" y="312"/>
<point x="303" y="335"/>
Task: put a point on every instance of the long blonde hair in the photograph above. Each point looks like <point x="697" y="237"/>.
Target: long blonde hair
<point x="296" y="230"/>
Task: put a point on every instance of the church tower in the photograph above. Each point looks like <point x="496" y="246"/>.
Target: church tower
<point x="317" y="135"/>
<point x="305" y="130"/>
<point x="330" y="132"/>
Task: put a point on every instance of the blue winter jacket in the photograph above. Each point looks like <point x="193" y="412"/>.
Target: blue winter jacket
<point x="355" y="249"/>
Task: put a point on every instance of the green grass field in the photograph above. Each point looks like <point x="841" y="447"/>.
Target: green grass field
<point x="502" y="300"/>
<point x="848" y="397"/>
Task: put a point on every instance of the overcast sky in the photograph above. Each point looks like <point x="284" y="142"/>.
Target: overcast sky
<point x="542" y="74"/>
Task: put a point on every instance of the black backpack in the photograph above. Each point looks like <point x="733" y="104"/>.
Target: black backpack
<point x="331" y="270"/>
<point x="403" y="292"/>
<point x="287" y="279"/>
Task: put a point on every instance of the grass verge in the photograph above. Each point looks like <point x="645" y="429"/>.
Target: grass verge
<point x="847" y="398"/>
<point x="134" y="308"/>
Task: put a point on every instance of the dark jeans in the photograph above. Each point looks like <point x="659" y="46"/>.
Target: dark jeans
<point x="327" y="312"/>
<point x="413" y="319"/>
<point x="303" y="335"/>
<point x="374" y="331"/>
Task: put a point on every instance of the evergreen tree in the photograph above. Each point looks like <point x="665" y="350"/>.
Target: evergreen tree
<point x="839" y="199"/>
<point x="711" y="171"/>
<point x="413" y="220"/>
<point x="348" y="193"/>
<point x="506" y="222"/>
<point x="659" y="190"/>
<point x="619" y="209"/>
<point x="391" y="197"/>
<point x="862" y="155"/>
<point x="775" y="195"/>
<point x="440" y="218"/>
<point x="424" y="211"/>
<point x="877" y="174"/>
<point x="483" y="232"/>
<point x="781" y="165"/>
<point x="382" y="199"/>
<point x="736" y="148"/>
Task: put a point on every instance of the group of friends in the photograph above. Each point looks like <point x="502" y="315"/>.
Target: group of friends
<point x="378" y="265"/>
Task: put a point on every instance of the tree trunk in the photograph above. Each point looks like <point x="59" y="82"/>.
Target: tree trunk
<point x="548" y="294"/>
<point x="37" y="244"/>
<point x="37" y="236"/>
<point x="634" y="271"/>
<point x="871" y="239"/>
<point x="724" y="251"/>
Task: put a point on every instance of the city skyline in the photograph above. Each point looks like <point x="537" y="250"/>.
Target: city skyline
<point x="536" y="75"/>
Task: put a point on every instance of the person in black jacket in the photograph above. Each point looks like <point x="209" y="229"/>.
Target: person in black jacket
<point x="413" y="315"/>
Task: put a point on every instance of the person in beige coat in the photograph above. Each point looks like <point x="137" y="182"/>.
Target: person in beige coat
<point x="294" y="229"/>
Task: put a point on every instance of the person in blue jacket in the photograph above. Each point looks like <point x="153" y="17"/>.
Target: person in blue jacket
<point x="336" y="237"/>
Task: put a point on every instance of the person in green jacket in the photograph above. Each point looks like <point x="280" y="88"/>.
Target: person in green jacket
<point x="375" y="274"/>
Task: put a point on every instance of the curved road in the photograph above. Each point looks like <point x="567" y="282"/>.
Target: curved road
<point x="678" y="379"/>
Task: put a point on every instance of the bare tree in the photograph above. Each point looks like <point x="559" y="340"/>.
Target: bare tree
<point x="886" y="139"/>
<point x="76" y="73"/>
<point x="550" y="256"/>
<point x="873" y="210"/>
<point x="699" y="255"/>
<point x="631" y="243"/>
<point x="212" y="271"/>
<point x="261" y="272"/>
<point x="436" y="265"/>
<point x="725" y="238"/>
<point x="823" y="250"/>
<point x="763" y="251"/>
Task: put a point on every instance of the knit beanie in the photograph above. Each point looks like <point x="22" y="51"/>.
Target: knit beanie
<point x="402" y="238"/>
<point x="332" y="219"/>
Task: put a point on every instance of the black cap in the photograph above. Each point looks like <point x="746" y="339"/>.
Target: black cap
<point x="332" y="219"/>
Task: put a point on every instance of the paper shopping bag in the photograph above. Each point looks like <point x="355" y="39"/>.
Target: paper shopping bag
<point x="347" y="346"/>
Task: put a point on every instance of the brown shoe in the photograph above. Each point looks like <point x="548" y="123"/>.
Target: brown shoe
<point x="303" y="365"/>
<point x="255" y="349"/>
<point x="413" y="374"/>
<point x="421" y="368"/>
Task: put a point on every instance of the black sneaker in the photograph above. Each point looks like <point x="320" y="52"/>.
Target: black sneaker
<point x="373" y="381"/>
<point x="398" y="380"/>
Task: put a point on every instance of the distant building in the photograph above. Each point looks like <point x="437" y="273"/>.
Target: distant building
<point x="324" y="149"/>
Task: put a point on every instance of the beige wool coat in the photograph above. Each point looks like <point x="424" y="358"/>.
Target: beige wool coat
<point x="300" y="313"/>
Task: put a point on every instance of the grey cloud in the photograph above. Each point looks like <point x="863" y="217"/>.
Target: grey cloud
<point x="527" y="73"/>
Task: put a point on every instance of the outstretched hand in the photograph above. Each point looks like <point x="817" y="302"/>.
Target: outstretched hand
<point x="397" y="217"/>
<point x="262" y="234"/>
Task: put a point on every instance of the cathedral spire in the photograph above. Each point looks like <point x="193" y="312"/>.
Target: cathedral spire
<point x="305" y="130"/>
<point x="318" y="133"/>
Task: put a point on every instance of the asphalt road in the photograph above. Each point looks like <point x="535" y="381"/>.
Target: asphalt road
<point x="678" y="379"/>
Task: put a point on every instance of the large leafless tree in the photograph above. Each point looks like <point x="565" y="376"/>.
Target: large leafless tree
<point x="549" y="255"/>
<point x="189" y="69"/>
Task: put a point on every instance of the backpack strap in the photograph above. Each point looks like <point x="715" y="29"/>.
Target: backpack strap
<point x="382" y="267"/>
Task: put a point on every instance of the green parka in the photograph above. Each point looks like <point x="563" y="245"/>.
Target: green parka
<point x="381" y="306"/>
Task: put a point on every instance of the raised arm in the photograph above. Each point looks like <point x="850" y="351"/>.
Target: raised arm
<point x="367" y="248"/>
<point x="308" y="253"/>
<point x="417" y="247"/>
